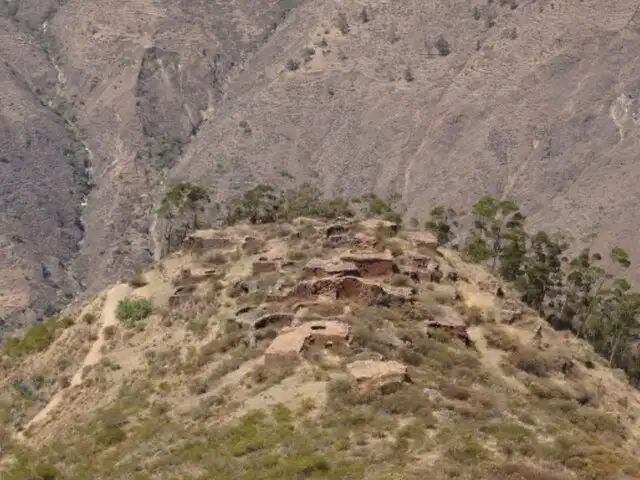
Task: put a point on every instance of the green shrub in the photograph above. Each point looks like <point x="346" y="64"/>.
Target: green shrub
<point x="38" y="338"/>
<point x="132" y="310"/>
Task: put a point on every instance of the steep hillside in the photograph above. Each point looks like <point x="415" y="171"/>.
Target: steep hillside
<point x="41" y="190"/>
<point x="100" y="97"/>
<point x="442" y="102"/>
<point x="431" y="100"/>
<point x="311" y="350"/>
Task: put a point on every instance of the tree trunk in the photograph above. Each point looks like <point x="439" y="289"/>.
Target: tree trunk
<point x="615" y="347"/>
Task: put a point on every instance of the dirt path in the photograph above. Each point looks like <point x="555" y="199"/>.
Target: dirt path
<point x="108" y="317"/>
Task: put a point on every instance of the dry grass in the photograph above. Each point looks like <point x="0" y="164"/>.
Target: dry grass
<point x="186" y="390"/>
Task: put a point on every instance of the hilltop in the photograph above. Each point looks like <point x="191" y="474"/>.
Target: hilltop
<point x="312" y="349"/>
<point x="104" y="102"/>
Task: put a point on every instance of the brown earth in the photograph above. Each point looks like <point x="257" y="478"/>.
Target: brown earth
<point x="536" y="100"/>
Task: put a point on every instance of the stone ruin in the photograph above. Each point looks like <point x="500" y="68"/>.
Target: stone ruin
<point x="290" y="343"/>
<point x="209" y="239"/>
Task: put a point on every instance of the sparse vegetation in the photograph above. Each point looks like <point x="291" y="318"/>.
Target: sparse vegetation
<point x="364" y="15"/>
<point x="443" y="46"/>
<point x="499" y="408"/>
<point x="576" y="294"/>
<point x="408" y="75"/>
<point x="293" y="65"/>
<point x="138" y="280"/>
<point x="342" y="23"/>
<point x="38" y="338"/>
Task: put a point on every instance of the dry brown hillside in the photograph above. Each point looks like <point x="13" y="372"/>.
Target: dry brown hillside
<point x="309" y="350"/>
<point x="440" y="102"/>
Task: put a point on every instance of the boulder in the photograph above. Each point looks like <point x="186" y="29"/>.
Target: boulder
<point x="370" y="374"/>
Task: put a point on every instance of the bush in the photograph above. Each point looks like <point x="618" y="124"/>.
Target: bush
<point x="342" y="23"/>
<point x="443" y="46"/>
<point x="496" y="337"/>
<point x="408" y="75"/>
<point x="531" y="361"/>
<point x="38" y="338"/>
<point x="89" y="318"/>
<point x="132" y="310"/>
<point x="138" y="280"/>
<point x="293" y="65"/>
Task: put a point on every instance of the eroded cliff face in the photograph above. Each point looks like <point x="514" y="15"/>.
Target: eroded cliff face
<point x="99" y="101"/>
<point x="42" y="165"/>
<point x="520" y="106"/>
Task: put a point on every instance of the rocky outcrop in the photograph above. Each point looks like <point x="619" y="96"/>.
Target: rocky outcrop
<point x="257" y="319"/>
<point x="453" y="326"/>
<point x="420" y="261"/>
<point x="198" y="275"/>
<point x="342" y="240"/>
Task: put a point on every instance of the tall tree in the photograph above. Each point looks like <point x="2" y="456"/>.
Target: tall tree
<point x="180" y="207"/>
<point x="261" y="204"/>
<point x="441" y="222"/>
<point x="493" y="220"/>
<point x="542" y="270"/>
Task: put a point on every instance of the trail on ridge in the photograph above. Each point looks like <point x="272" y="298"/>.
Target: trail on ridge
<point x="108" y="317"/>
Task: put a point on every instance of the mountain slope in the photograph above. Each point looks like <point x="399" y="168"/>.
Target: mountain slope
<point x="440" y="102"/>
<point x="132" y="81"/>
<point x="527" y="108"/>
<point x="41" y="169"/>
<point x="265" y="357"/>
